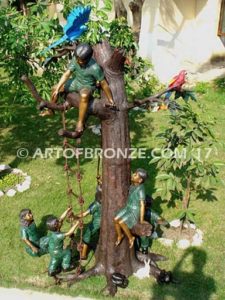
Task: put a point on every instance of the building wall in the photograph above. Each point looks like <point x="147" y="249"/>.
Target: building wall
<point x="180" y="34"/>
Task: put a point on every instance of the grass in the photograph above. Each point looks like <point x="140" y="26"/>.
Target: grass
<point x="200" y="271"/>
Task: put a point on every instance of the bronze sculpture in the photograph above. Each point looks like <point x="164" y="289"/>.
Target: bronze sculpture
<point x="134" y="210"/>
<point x="60" y="257"/>
<point x="29" y="234"/>
<point x="116" y="171"/>
<point x="88" y="75"/>
<point x="93" y="227"/>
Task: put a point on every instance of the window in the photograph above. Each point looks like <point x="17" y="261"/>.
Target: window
<point x="221" y="29"/>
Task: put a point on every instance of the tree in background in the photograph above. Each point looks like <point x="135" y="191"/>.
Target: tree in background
<point x="184" y="162"/>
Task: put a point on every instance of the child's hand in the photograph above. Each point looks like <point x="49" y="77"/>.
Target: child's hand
<point x="34" y="249"/>
<point x="69" y="211"/>
<point x="111" y="102"/>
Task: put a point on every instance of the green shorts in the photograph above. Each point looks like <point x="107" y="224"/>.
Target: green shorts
<point x="72" y="86"/>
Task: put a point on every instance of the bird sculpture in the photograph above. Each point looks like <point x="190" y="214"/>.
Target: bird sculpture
<point x="176" y="86"/>
<point x="178" y="80"/>
<point x="74" y="27"/>
<point x="176" y="83"/>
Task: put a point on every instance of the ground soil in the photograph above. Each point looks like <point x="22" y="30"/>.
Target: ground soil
<point x="176" y="234"/>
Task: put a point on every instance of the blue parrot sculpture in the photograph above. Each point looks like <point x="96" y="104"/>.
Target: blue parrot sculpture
<point x="75" y="26"/>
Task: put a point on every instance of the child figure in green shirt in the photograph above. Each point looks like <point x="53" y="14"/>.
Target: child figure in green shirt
<point x="134" y="211"/>
<point x="29" y="234"/>
<point x="93" y="227"/>
<point x="60" y="257"/>
<point x="155" y="220"/>
<point x="86" y="76"/>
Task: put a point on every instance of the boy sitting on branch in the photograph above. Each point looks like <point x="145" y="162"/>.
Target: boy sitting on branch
<point x="87" y="76"/>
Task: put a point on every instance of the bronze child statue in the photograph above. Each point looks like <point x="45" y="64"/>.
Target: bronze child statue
<point x="29" y="234"/>
<point x="60" y="257"/>
<point x="134" y="211"/>
<point x="155" y="220"/>
<point x="93" y="227"/>
<point x="87" y="75"/>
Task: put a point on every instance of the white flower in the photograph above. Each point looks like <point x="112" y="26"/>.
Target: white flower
<point x="28" y="178"/>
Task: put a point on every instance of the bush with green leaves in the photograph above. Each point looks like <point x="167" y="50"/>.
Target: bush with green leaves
<point x="9" y="181"/>
<point x="220" y="84"/>
<point x="184" y="163"/>
<point x="22" y="38"/>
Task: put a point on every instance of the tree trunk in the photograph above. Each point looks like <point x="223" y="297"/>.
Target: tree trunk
<point x="186" y="198"/>
<point x="116" y="170"/>
<point x="120" y="10"/>
<point x="136" y="9"/>
<point x="23" y="7"/>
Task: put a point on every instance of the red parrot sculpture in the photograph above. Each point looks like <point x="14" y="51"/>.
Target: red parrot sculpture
<point x="178" y="80"/>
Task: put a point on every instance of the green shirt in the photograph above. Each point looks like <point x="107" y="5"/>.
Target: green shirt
<point x="86" y="76"/>
<point x="95" y="211"/>
<point x="55" y="245"/>
<point x="136" y="194"/>
<point x="30" y="233"/>
<point x="130" y="214"/>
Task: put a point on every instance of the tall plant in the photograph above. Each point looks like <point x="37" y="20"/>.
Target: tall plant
<point x="184" y="161"/>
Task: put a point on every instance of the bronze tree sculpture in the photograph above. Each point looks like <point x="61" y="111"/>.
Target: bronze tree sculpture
<point x="115" y="171"/>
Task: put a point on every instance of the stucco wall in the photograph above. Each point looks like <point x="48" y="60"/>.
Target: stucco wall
<point x="180" y="34"/>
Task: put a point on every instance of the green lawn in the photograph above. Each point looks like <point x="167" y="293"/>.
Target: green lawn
<point x="200" y="271"/>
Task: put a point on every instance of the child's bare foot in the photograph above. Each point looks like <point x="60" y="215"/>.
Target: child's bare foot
<point x="46" y="113"/>
<point x="131" y="242"/>
<point x="119" y="240"/>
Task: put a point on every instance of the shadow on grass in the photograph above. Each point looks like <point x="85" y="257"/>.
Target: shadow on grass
<point x="192" y="285"/>
<point x="139" y="126"/>
<point x="30" y="131"/>
<point x="207" y="194"/>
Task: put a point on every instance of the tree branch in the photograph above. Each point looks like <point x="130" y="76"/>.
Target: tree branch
<point x="96" y="106"/>
<point x="32" y="88"/>
<point x="154" y="98"/>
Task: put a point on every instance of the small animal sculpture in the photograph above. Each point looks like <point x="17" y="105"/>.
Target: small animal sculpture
<point x="145" y="271"/>
<point x="119" y="280"/>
